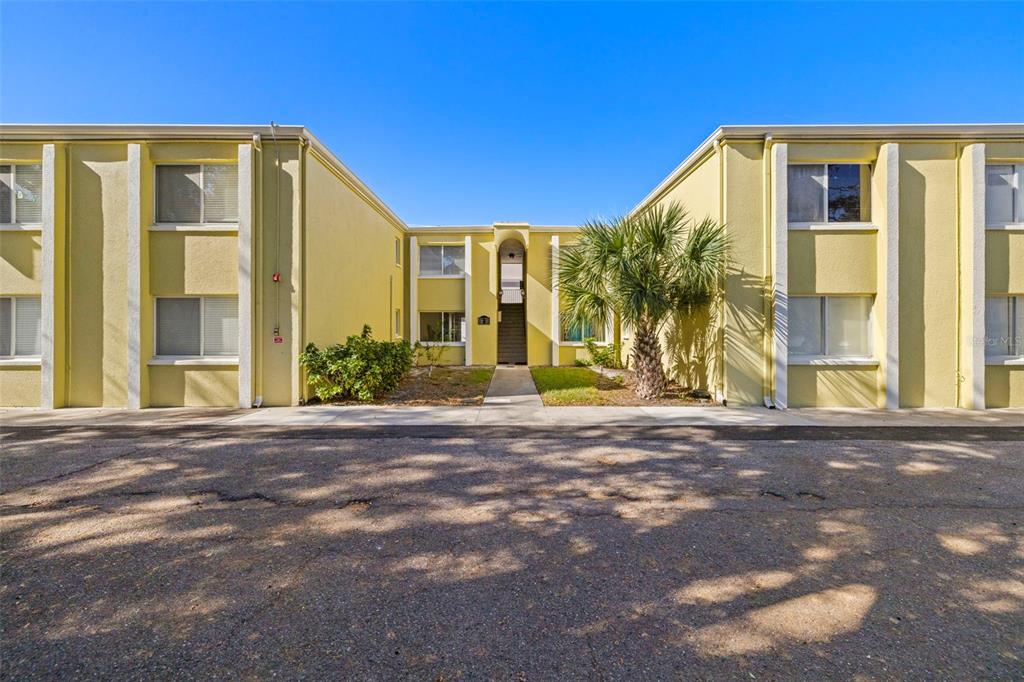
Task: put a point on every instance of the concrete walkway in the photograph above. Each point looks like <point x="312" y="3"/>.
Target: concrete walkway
<point x="513" y="385"/>
<point x="522" y="409"/>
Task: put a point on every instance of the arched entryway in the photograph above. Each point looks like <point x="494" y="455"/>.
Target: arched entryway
<point x="511" y="303"/>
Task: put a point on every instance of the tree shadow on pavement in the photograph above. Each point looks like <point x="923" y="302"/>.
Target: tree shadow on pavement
<point x="533" y="558"/>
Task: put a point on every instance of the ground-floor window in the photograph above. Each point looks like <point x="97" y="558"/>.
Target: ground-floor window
<point x="20" y="326"/>
<point x="1004" y="326"/>
<point x="197" y="326"/>
<point x="398" y="322"/>
<point x="830" y="326"/>
<point x="443" y="327"/>
<point x="579" y="333"/>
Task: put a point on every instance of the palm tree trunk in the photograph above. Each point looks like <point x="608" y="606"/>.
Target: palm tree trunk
<point x="650" y="377"/>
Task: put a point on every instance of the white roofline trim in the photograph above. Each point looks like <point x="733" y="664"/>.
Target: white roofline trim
<point x="133" y="131"/>
<point x="491" y="228"/>
<point x="44" y="132"/>
<point x="834" y="132"/>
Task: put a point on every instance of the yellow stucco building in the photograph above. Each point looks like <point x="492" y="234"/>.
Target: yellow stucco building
<point x="873" y="266"/>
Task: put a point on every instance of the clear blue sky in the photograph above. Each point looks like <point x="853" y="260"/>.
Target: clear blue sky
<point x="474" y="113"/>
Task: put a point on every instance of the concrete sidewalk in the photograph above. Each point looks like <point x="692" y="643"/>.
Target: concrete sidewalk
<point x="525" y="413"/>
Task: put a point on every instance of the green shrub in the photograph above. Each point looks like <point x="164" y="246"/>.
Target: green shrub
<point x="361" y="369"/>
<point x="580" y="362"/>
<point x="603" y="356"/>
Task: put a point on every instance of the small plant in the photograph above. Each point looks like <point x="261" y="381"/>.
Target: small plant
<point x="361" y="369"/>
<point x="580" y="362"/>
<point x="603" y="356"/>
<point x="428" y="354"/>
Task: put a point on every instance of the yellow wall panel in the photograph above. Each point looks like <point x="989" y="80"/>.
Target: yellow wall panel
<point x="20" y="263"/>
<point x="1004" y="386"/>
<point x="442" y="294"/>
<point x="350" y="262"/>
<point x="19" y="386"/>
<point x="1004" y="262"/>
<point x="538" y="299"/>
<point x="830" y="262"/>
<point x="193" y="152"/>
<point x="827" y="386"/>
<point x="97" y="275"/>
<point x="177" y="386"/>
<point x="744" y="305"/>
<point x="448" y="355"/>
<point x="832" y="152"/>
<point x="193" y="264"/>
<point x="928" y="275"/>
<point x="485" y="301"/>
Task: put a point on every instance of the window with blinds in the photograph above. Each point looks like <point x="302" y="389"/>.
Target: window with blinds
<point x="1004" y="194"/>
<point x="829" y="193"/>
<point x="199" y="193"/>
<point x="442" y="260"/>
<point x="20" y="326"/>
<point x="830" y="326"/>
<point x="1004" y="326"/>
<point x="442" y="327"/>
<point x="197" y="326"/>
<point x="580" y="333"/>
<point x="21" y="194"/>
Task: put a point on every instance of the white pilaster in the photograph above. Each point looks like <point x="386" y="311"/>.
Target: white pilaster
<point x="48" y="297"/>
<point x="889" y="156"/>
<point x="468" y="315"/>
<point x="134" y="276"/>
<point x="245" y="265"/>
<point x="780" y="280"/>
<point x="974" y="252"/>
<point x="414" y="309"/>
<point x="556" y="323"/>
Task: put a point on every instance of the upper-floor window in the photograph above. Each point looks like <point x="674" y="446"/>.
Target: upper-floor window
<point x="21" y="189"/>
<point x="398" y="251"/>
<point x="1004" y="326"/>
<point x="829" y="193"/>
<point x="198" y="193"/>
<point x="443" y="327"/>
<point x="830" y="326"/>
<point x="1004" y="194"/>
<point x="20" y="326"/>
<point x="579" y="333"/>
<point x="442" y="259"/>
<point x="197" y="326"/>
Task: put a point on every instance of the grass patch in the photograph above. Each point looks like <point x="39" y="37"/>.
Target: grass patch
<point x="574" y="386"/>
<point x="562" y="386"/>
<point x="443" y="386"/>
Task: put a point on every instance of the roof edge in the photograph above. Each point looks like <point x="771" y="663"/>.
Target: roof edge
<point x="19" y="132"/>
<point x="839" y="131"/>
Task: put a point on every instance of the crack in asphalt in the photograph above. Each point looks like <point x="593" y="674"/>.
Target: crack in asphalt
<point x="362" y="503"/>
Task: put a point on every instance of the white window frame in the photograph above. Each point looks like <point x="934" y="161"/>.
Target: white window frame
<point x="191" y="359"/>
<point x="608" y="333"/>
<point x="461" y="275"/>
<point x="14" y="225"/>
<point x="825" y="358"/>
<point x="826" y="224"/>
<point x="1017" y="222"/>
<point x="201" y="226"/>
<point x="14" y="358"/>
<point x="462" y="328"/>
<point x="1016" y="332"/>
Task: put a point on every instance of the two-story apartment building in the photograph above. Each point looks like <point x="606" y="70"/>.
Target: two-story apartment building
<point x="875" y="266"/>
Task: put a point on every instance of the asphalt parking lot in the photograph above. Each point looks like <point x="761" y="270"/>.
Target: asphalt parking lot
<point x="511" y="554"/>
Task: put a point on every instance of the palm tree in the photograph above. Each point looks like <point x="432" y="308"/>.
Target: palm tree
<point x="642" y="268"/>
